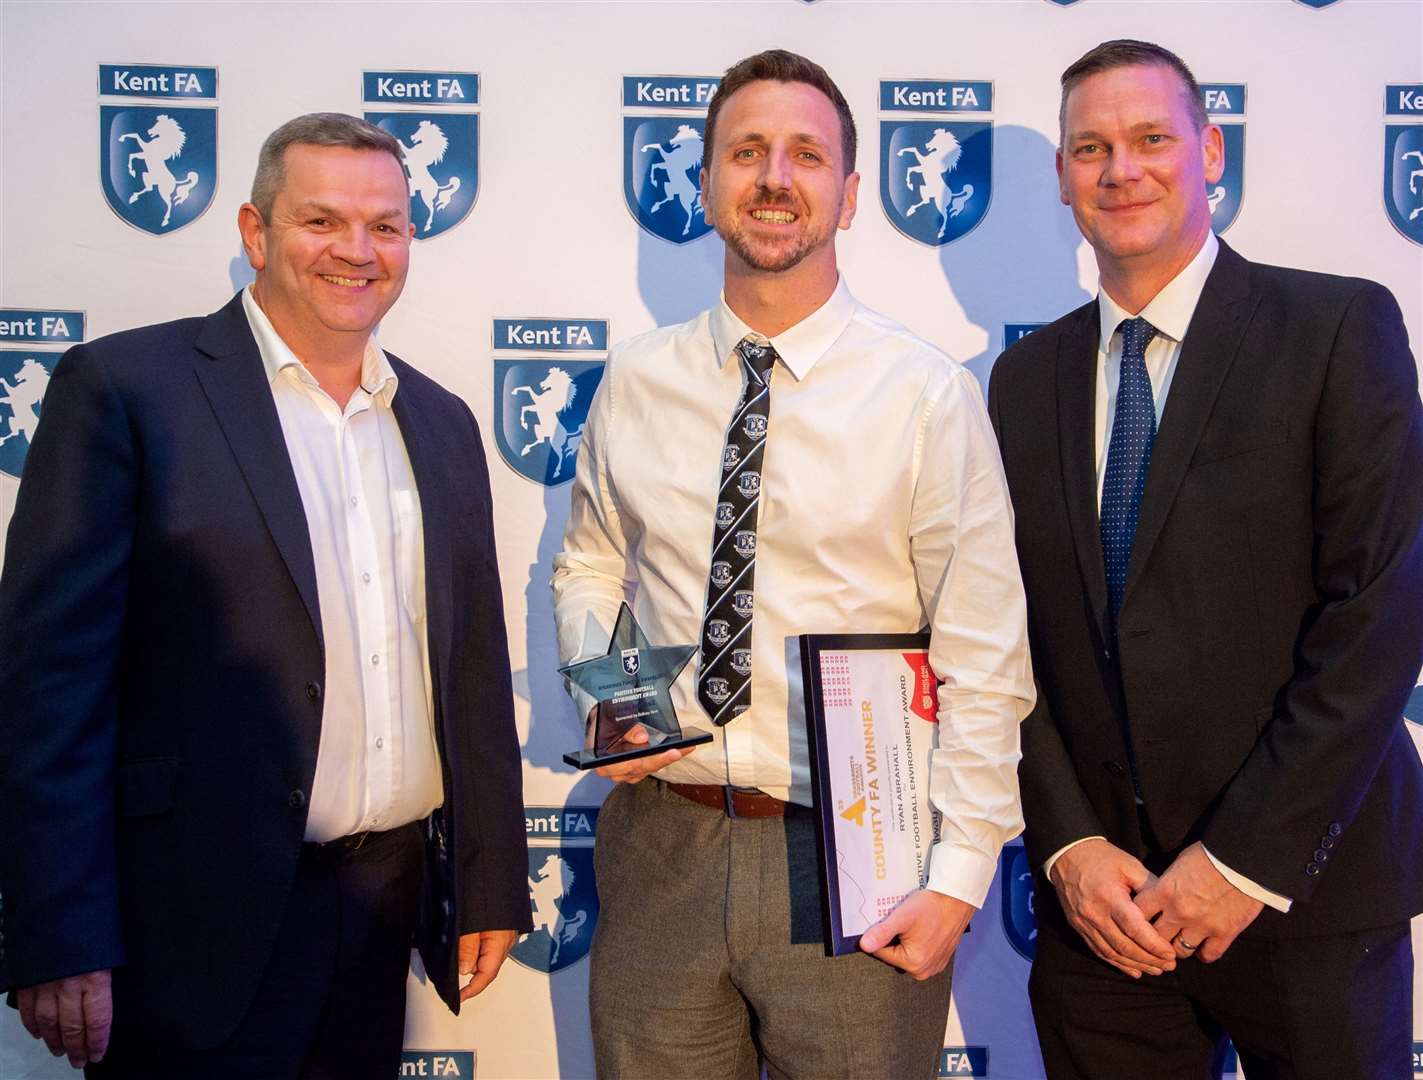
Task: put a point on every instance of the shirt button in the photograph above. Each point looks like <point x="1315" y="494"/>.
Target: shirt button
<point x="366" y="577"/>
<point x="353" y="500"/>
<point x="375" y="658"/>
<point x="380" y="743"/>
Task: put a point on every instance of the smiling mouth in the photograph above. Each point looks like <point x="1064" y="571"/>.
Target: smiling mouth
<point x="346" y="282"/>
<point x="774" y="217"/>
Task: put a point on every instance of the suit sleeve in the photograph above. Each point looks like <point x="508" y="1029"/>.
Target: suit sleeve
<point x="1359" y="653"/>
<point x="1055" y="808"/>
<point x="63" y="598"/>
<point x="495" y="871"/>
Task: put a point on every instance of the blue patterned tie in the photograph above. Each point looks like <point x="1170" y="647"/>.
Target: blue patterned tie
<point x="1128" y="456"/>
<point x="724" y="681"/>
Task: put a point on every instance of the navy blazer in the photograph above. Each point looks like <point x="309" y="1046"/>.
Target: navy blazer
<point x="161" y="661"/>
<point x="1269" y="633"/>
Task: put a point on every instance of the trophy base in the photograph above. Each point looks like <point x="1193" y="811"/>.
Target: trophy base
<point x="591" y="759"/>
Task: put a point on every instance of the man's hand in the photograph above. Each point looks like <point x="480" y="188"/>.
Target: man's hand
<point x="928" y="925"/>
<point x="1193" y="903"/>
<point x="72" y="1015"/>
<point x="1095" y="881"/>
<point x="481" y="955"/>
<point x="630" y="772"/>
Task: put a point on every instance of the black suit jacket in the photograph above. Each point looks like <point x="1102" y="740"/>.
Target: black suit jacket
<point x="1270" y="631"/>
<point x="161" y="662"/>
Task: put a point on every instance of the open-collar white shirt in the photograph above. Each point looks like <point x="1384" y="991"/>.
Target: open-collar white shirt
<point x="377" y="765"/>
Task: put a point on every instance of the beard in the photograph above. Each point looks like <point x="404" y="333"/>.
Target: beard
<point x="770" y="256"/>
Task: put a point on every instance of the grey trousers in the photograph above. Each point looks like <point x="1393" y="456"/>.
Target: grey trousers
<point x="708" y="959"/>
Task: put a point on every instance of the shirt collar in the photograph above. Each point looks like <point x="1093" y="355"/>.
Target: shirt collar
<point x="378" y="378"/>
<point x="1171" y="309"/>
<point x="798" y="347"/>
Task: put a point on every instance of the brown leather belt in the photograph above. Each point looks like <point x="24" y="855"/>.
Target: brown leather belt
<point x="733" y="802"/>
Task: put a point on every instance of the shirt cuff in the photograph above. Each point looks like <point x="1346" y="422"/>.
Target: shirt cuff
<point x="1051" y="859"/>
<point x="1250" y="888"/>
<point x="961" y="872"/>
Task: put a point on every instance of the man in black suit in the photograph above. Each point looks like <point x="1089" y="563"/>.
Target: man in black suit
<point x="1224" y="612"/>
<point x="258" y="731"/>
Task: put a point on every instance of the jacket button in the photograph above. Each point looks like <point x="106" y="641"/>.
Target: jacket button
<point x="1335" y="829"/>
<point x="1326" y="841"/>
<point x="1116" y="768"/>
<point x="297" y="799"/>
<point x="1321" y="856"/>
<point x="313" y="691"/>
<point x="1312" y="869"/>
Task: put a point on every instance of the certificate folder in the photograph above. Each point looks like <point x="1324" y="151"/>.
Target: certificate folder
<point x="871" y="715"/>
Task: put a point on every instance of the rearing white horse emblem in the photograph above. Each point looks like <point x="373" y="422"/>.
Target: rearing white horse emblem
<point x="165" y="142"/>
<point x="685" y="154"/>
<point x="555" y="878"/>
<point x="427" y="147"/>
<point x="1413" y="179"/>
<point x="553" y="397"/>
<point x="939" y="157"/>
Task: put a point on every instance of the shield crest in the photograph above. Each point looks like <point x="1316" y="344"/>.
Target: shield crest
<point x="24" y="377"/>
<point x="1413" y="709"/>
<point x="749" y="484"/>
<point x="565" y="903"/>
<point x="632" y="661"/>
<point x="662" y="162"/>
<point x="745" y="543"/>
<point x="721" y="574"/>
<point x="1020" y="924"/>
<point x="718" y="689"/>
<point x="741" y="661"/>
<point x="718" y="632"/>
<point x="936" y="177"/>
<point x="1226" y="196"/>
<point x="158" y="164"/>
<point x="1403" y="178"/>
<point x="743" y="603"/>
<point x="440" y="151"/>
<point x="541" y="406"/>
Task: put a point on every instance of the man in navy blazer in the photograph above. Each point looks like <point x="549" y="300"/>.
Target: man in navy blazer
<point x="258" y="735"/>
<point x="1217" y="475"/>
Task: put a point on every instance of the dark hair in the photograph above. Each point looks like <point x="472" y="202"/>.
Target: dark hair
<point x="1125" y="52"/>
<point x="313" y="129"/>
<point x="779" y="65"/>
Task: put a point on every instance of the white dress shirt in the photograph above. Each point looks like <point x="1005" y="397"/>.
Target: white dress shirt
<point x="883" y="509"/>
<point x="1170" y="311"/>
<point x="377" y="766"/>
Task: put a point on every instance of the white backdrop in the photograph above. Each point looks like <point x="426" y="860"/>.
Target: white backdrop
<point x="550" y="235"/>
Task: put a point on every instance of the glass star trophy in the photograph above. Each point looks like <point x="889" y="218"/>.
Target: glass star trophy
<point x="630" y="685"/>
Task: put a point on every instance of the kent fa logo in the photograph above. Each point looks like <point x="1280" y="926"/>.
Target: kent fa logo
<point x="25" y="374"/>
<point x="565" y="904"/>
<point x="157" y="163"/>
<point x="451" y="1064"/>
<point x="1020" y="922"/>
<point x="963" y="1061"/>
<point x="1403" y="160"/>
<point x="439" y="146"/>
<point x="1413" y="710"/>
<point x="541" y="403"/>
<point x="936" y="176"/>
<point x="632" y="661"/>
<point x="1225" y="197"/>
<point x="662" y="154"/>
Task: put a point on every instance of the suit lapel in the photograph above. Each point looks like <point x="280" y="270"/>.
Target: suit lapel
<point x="435" y="519"/>
<point x="235" y="382"/>
<point x="1211" y="342"/>
<point x="1076" y="401"/>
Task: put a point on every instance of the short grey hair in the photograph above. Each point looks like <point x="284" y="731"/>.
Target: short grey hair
<point x="1128" y="52"/>
<point x="313" y="129"/>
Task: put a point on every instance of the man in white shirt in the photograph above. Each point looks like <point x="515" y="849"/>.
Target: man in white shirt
<point x="788" y="462"/>
<point x="259" y="735"/>
<point x="1218" y="476"/>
